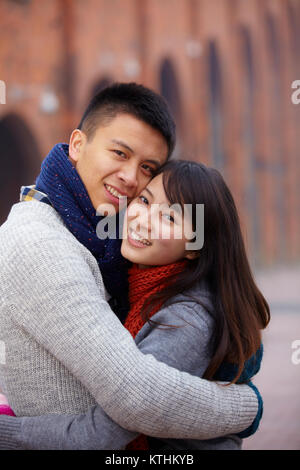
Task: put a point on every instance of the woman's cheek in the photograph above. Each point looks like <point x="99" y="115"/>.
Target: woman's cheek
<point x="168" y="249"/>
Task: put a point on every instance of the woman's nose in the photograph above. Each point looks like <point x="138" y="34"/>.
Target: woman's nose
<point x="141" y="218"/>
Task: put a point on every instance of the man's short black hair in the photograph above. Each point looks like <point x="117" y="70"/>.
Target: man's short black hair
<point x="133" y="99"/>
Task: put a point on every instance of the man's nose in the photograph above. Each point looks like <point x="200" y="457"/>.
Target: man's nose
<point x="129" y="174"/>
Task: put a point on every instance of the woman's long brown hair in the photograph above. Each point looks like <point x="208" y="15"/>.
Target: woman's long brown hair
<point x="239" y="309"/>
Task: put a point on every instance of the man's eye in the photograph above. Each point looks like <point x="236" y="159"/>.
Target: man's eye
<point x="149" y="169"/>
<point x="120" y="153"/>
<point x="144" y="200"/>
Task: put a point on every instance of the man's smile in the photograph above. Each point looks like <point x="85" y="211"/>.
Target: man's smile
<point x="115" y="192"/>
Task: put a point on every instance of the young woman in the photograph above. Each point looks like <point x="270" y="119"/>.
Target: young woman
<point x="194" y="307"/>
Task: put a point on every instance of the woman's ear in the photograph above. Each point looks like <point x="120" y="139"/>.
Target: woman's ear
<point x="76" y="144"/>
<point x="192" y="255"/>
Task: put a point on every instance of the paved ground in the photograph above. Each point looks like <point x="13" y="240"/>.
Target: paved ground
<point x="279" y="378"/>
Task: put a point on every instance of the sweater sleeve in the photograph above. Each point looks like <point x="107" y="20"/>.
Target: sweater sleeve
<point x="55" y="298"/>
<point x="93" y="430"/>
<point x="184" y="347"/>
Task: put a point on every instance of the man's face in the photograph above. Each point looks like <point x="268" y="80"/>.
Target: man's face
<point x="119" y="160"/>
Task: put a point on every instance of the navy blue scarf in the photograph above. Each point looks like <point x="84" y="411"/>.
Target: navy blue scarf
<point x="62" y="184"/>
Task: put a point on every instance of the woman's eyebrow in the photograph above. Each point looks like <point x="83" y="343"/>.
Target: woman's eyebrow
<point x="148" y="190"/>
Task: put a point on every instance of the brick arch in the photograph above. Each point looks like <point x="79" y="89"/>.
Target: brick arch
<point x="293" y="169"/>
<point x="215" y="105"/>
<point x="20" y="157"/>
<point x="276" y="166"/>
<point x="252" y="194"/>
<point x="170" y="90"/>
<point x="294" y="25"/>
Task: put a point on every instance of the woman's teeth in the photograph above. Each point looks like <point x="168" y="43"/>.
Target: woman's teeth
<point x="113" y="192"/>
<point x="137" y="237"/>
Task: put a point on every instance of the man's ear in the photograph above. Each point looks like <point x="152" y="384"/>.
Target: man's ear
<point x="192" y="255"/>
<point x="76" y="143"/>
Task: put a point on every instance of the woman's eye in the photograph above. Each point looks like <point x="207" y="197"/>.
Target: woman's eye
<point x="169" y="217"/>
<point x="144" y="200"/>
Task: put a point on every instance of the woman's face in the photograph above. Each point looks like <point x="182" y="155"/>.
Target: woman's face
<point x="155" y="233"/>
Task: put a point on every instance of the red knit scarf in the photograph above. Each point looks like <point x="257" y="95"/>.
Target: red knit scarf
<point x="143" y="283"/>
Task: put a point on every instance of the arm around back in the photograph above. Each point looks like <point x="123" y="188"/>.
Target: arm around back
<point x="57" y="295"/>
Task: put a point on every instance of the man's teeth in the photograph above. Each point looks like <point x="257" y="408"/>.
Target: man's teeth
<point x="136" y="237"/>
<point x="114" y="192"/>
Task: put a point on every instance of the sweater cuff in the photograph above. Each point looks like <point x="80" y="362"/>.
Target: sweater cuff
<point x="10" y="429"/>
<point x="248" y="407"/>
<point x="254" y="426"/>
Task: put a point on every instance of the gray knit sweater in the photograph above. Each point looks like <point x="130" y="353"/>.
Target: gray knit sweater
<point x="186" y="347"/>
<point x="65" y="350"/>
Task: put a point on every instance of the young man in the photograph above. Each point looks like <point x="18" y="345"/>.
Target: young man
<point x="65" y="348"/>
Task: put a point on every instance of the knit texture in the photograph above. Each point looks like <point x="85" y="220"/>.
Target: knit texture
<point x="143" y="283"/>
<point x="9" y="432"/>
<point x="66" y="349"/>
<point x="60" y="181"/>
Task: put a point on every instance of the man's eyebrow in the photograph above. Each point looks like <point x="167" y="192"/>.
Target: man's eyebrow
<point x="157" y="163"/>
<point x="122" y="144"/>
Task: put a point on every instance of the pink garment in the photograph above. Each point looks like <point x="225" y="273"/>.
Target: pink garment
<point x="5" y="409"/>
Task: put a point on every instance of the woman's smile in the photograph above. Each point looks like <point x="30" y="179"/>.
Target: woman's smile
<point x="136" y="240"/>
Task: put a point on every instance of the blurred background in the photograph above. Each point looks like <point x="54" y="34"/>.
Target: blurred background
<point x="226" y="68"/>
